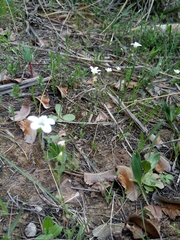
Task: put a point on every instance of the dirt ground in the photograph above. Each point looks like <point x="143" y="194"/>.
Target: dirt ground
<point x="93" y="145"/>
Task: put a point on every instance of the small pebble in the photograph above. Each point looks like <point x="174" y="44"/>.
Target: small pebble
<point x="31" y="230"/>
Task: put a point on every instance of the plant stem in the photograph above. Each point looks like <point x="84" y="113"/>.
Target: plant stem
<point x="31" y="69"/>
<point x="144" y="195"/>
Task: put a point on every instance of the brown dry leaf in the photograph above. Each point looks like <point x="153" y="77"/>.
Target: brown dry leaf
<point x="91" y="178"/>
<point x="23" y="113"/>
<point x="125" y="176"/>
<point x="4" y="77"/>
<point x="101" y="187"/>
<point x="132" y="84"/>
<point x="150" y="227"/>
<point x="92" y="80"/>
<point x="162" y="165"/>
<point x="44" y="100"/>
<point x="104" y="231"/>
<point x="157" y="141"/>
<point x="17" y="80"/>
<point x="136" y="231"/>
<point x="101" y="117"/>
<point x="170" y="207"/>
<point x="119" y="85"/>
<point x="155" y="211"/>
<point x="70" y="195"/>
<point x="63" y="91"/>
<point x="29" y="134"/>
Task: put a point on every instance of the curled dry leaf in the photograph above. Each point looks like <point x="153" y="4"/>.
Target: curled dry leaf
<point x="91" y="178"/>
<point x="63" y="91"/>
<point x="104" y="231"/>
<point x="170" y="207"/>
<point x="125" y="177"/>
<point x="162" y="165"/>
<point x="23" y="113"/>
<point x="101" y="117"/>
<point x="29" y="133"/>
<point x="136" y="231"/>
<point x="101" y="187"/>
<point x="150" y="227"/>
<point x="44" y="100"/>
<point x="155" y="211"/>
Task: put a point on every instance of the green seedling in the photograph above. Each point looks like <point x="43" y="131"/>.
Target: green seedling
<point x="170" y="112"/>
<point x="60" y="117"/>
<point x="146" y="179"/>
<point x="4" y="208"/>
<point x="50" y="229"/>
<point x="28" y="55"/>
<point x="16" y="91"/>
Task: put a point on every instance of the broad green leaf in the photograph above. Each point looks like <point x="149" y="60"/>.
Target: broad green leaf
<point x="146" y="165"/>
<point x="45" y="237"/>
<point x="68" y="117"/>
<point x="56" y="230"/>
<point x="58" y="109"/>
<point x="154" y="159"/>
<point x="53" y="117"/>
<point x="137" y="167"/>
<point x="47" y="224"/>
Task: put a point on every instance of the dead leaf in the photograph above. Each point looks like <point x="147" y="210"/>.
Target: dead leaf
<point x="155" y="211"/>
<point x="63" y="91"/>
<point x="162" y="165"/>
<point x="104" y="231"/>
<point x="44" y="100"/>
<point x="132" y="84"/>
<point x="101" y="117"/>
<point x="29" y="133"/>
<point x="91" y="178"/>
<point x="23" y="113"/>
<point x="170" y="207"/>
<point x="146" y="224"/>
<point x="92" y="80"/>
<point x="157" y="141"/>
<point x="125" y="176"/>
<point x="70" y="195"/>
<point x="101" y="187"/>
<point x="136" y="231"/>
<point x="4" y="77"/>
<point x="119" y="85"/>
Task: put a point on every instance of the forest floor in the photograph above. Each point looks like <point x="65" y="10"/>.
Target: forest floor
<point x="108" y="74"/>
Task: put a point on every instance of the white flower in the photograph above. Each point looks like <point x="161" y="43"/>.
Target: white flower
<point x="108" y="69"/>
<point x="177" y="71"/>
<point x="62" y="143"/>
<point x="118" y="68"/>
<point x="42" y="122"/>
<point x="95" y="70"/>
<point x="136" y="44"/>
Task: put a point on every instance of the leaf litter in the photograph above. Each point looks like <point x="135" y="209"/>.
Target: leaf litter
<point x="105" y="147"/>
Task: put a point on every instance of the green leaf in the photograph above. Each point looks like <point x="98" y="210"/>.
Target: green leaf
<point x="47" y="224"/>
<point x="53" y="117"/>
<point x="58" y="109"/>
<point x="154" y="159"/>
<point x="137" y="167"/>
<point x="146" y="165"/>
<point x="27" y="53"/>
<point x="14" y="224"/>
<point x="45" y="237"/>
<point x="68" y="117"/>
<point x="56" y="230"/>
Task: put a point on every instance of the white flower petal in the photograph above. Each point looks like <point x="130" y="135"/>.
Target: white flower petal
<point x="136" y="44"/>
<point x="34" y="125"/>
<point x="50" y="121"/>
<point x="46" y="128"/>
<point x="33" y="118"/>
<point x="177" y="71"/>
<point x="108" y="69"/>
<point x="62" y="143"/>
